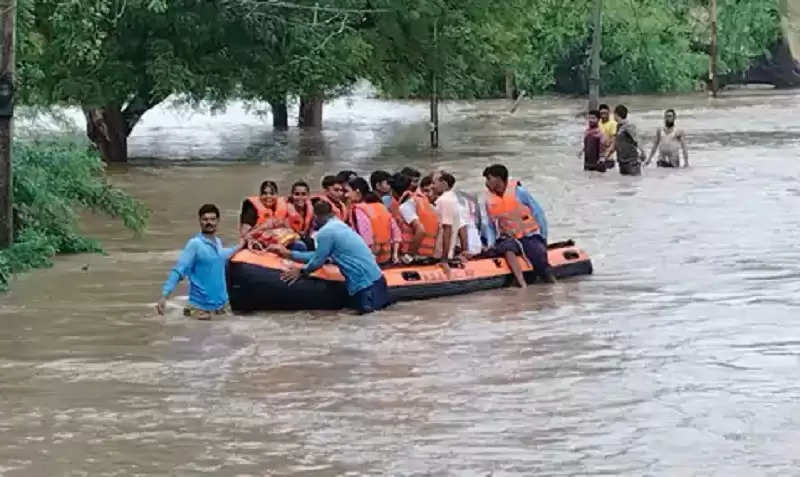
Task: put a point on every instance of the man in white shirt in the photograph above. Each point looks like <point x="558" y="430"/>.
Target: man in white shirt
<point x="449" y="213"/>
<point x="470" y="208"/>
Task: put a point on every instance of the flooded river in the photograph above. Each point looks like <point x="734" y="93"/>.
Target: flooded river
<point x="679" y="356"/>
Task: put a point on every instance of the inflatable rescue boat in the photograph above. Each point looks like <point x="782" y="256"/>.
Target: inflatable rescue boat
<point x="254" y="281"/>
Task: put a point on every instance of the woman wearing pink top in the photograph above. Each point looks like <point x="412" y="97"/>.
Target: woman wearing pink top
<point x="357" y="191"/>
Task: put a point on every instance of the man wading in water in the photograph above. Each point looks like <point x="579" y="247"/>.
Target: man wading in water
<point x="629" y="155"/>
<point x="203" y="262"/>
<point x="668" y="139"/>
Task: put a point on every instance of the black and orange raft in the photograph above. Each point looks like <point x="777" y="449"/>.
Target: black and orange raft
<point x="254" y="281"/>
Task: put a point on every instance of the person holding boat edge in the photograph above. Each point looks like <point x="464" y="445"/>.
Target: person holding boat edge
<point x="365" y="282"/>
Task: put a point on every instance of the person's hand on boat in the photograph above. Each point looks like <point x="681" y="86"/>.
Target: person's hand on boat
<point x="255" y="245"/>
<point x="292" y="275"/>
<point x="279" y="250"/>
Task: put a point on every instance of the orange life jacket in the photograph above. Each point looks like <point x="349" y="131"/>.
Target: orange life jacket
<point x="511" y="217"/>
<point x="381" y="221"/>
<point x="339" y="209"/>
<point x="264" y="213"/>
<point x="428" y="218"/>
<point x="300" y="223"/>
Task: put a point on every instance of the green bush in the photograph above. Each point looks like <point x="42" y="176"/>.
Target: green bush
<point x="53" y="181"/>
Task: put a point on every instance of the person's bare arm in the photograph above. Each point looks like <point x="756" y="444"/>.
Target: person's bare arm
<point x="613" y="148"/>
<point x="682" y="139"/>
<point x="447" y="232"/>
<point x="655" y="146"/>
<point x="463" y="239"/>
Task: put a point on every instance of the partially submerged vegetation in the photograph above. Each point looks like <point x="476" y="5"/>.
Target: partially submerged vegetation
<point x="53" y="182"/>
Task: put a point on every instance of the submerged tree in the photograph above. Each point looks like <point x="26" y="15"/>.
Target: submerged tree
<point x="118" y="59"/>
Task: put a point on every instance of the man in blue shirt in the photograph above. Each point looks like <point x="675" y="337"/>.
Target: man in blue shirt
<point x="337" y="241"/>
<point x="203" y="262"/>
<point x="522" y="235"/>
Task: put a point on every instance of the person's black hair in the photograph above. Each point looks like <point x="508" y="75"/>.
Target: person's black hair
<point x="670" y="110"/>
<point x="377" y="177"/>
<point x="329" y="181"/>
<point x="426" y="181"/>
<point x="602" y="107"/>
<point x="322" y="209"/>
<point x="208" y="209"/>
<point x="360" y="184"/>
<point x="594" y="113"/>
<point x="496" y="170"/>
<point x="410" y="172"/>
<point x="448" y="178"/>
<point x="271" y="184"/>
<point x="345" y="176"/>
<point x="300" y="184"/>
<point x="399" y="184"/>
<point x="621" y="111"/>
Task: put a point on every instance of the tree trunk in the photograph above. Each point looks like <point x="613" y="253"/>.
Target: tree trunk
<point x="109" y="126"/>
<point x="310" y="115"/>
<point x="280" y="114"/>
<point x="597" y="34"/>
<point x="510" y="90"/>
<point x="106" y="128"/>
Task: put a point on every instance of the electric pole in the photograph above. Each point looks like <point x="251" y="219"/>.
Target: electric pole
<point x="597" y="36"/>
<point x="8" y="12"/>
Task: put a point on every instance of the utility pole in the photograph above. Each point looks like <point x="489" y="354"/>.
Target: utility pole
<point x="8" y="12"/>
<point x="435" y="92"/>
<point x="714" y="80"/>
<point x="597" y="36"/>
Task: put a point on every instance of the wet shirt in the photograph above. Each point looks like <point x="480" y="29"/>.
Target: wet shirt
<point x="202" y="261"/>
<point x="337" y="241"/>
<point x="608" y="128"/>
<point x="627" y="142"/>
<point x="669" y="145"/>
<point x="592" y="145"/>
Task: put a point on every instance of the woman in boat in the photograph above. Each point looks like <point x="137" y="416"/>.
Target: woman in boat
<point x="266" y="216"/>
<point x="373" y="222"/>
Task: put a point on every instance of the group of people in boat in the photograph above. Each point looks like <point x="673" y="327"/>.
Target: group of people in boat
<point x="362" y="225"/>
<point x="606" y="137"/>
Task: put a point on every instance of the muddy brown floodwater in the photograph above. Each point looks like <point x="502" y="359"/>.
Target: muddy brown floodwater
<point x="679" y="356"/>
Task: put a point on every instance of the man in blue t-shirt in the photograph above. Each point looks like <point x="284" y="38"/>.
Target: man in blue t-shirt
<point x="203" y="262"/>
<point x="336" y="240"/>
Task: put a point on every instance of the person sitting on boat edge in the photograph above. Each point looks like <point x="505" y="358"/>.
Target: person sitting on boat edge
<point x="257" y="210"/>
<point x="364" y="280"/>
<point x="517" y="224"/>
<point x="263" y="219"/>
<point x="203" y="261"/>
<point x="373" y="222"/>
<point x="333" y="193"/>
<point x="417" y="219"/>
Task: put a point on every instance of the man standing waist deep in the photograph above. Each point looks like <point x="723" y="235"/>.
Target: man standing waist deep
<point x="203" y="262"/>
